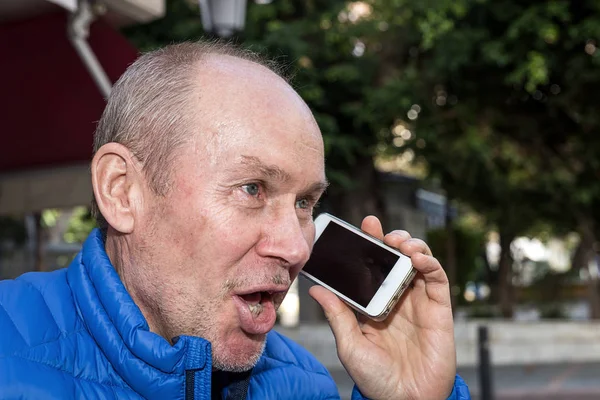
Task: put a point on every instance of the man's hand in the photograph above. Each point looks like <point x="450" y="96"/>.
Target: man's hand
<point x="410" y="355"/>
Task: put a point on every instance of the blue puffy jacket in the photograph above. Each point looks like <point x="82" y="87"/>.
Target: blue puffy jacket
<point x="76" y="333"/>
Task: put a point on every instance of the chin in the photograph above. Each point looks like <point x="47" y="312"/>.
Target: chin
<point x="240" y="352"/>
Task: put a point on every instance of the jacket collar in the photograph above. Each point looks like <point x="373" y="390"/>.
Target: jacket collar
<point x="149" y="364"/>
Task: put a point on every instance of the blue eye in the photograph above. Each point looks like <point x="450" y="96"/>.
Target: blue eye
<point x="303" y="203"/>
<point x="251" y="188"/>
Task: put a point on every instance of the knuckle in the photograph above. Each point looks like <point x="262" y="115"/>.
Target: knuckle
<point x="401" y="233"/>
<point x="418" y="242"/>
<point x="420" y="246"/>
<point x="435" y="263"/>
<point x="426" y="260"/>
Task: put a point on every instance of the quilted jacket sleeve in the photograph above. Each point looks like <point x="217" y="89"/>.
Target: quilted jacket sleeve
<point x="460" y="391"/>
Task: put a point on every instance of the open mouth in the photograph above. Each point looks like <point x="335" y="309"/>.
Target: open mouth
<point x="256" y="311"/>
<point x="256" y="301"/>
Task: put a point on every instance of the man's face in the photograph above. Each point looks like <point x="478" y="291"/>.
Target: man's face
<point x="220" y="251"/>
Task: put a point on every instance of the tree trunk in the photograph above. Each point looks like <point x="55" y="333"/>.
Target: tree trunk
<point x="363" y="198"/>
<point x="582" y="259"/>
<point x="450" y="260"/>
<point x="505" y="275"/>
<point x="38" y="251"/>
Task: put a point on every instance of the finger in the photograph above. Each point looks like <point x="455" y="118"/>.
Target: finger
<point x="396" y="238"/>
<point x="412" y="246"/>
<point x="436" y="281"/>
<point x="430" y="267"/>
<point x="340" y="317"/>
<point x="372" y="226"/>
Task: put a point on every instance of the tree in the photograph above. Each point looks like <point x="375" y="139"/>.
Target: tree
<point x="319" y="43"/>
<point x="496" y="98"/>
<point x="522" y="77"/>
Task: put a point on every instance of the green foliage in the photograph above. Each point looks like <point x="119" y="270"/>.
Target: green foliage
<point x="80" y="225"/>
<point x="469" y="252"/>
<point x="505" y="88"/>
<point x="515" y="142"/>
<point x="333" y="58"/>
<point x="180" y="23"/>
<point x="506" y="93"/>
<point x="49" y="218"/>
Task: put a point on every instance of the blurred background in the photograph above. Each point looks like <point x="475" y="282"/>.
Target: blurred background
<point x="473" y="124"/>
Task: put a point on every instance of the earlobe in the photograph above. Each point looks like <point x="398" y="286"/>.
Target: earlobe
<point x="114" y="179"/>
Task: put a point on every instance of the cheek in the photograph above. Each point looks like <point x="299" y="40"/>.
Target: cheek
<point x="178" y="228"/>
<point x="309" y="234"/>
<point x="224" y="234"/>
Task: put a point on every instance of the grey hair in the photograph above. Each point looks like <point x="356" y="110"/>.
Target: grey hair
<point x="150" y="108"/>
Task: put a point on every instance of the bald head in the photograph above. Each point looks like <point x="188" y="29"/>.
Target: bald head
<point x="170" y="94"/>
<point x="236" y="94"/>
<point x="233" y="85"/>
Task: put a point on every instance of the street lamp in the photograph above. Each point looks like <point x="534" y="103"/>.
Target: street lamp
<point x="223" y="17"/>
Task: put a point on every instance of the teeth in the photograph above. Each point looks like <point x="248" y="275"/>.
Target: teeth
<point x="255" y="309"/>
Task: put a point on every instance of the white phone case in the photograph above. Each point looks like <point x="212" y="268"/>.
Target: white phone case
<point x="392" y="287"/>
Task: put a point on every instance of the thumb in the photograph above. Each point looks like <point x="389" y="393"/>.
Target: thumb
<point x="341" y="319"/>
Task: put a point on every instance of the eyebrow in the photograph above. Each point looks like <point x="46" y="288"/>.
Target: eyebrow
<point x="269" y="171"/>
<point x="317" y="187"/>
<point x="276" y="173"/>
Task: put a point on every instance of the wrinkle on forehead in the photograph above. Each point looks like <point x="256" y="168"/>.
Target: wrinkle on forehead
<point x="239" y="98"/>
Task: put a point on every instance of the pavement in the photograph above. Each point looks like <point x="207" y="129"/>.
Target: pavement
<point x="565" y="381"/>
<point x="553" y="361"/>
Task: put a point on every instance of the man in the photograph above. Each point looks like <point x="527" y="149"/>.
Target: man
<point x="206" y="171"/>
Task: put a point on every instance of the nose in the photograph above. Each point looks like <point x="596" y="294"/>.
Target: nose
<point x="286" y="238"/>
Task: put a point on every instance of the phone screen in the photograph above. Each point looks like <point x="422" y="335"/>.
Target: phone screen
<point x="349" y="263"/>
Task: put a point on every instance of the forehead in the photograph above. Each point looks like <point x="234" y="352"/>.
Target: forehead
<point x="247" y="110"/>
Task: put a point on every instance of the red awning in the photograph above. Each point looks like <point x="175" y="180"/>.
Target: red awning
<point x="49" y="104"/>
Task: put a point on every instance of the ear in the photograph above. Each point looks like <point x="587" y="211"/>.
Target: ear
<point x="117" y="180"/>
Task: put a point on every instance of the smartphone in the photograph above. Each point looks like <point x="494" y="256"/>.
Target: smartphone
<point x="361" y="270"/>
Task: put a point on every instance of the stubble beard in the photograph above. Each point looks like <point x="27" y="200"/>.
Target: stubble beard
<point x="225" y="357"/>
<point x="223" y="360"/>
<point x="200" y="322"/>
<point x="172" y="318"/>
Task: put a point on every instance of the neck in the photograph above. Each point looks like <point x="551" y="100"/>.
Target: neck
<point x="119" y="251"/>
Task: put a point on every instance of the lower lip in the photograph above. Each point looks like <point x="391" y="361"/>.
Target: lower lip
<point x="259" y="325"/>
